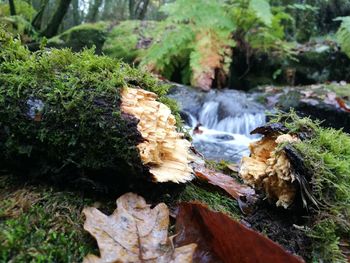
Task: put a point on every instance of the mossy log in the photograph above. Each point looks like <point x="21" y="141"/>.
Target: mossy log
<point x="77" y="114"/>
<point x="299" y="164"/>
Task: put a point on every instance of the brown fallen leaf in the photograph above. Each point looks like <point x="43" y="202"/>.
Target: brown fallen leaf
<point x="342" y="104"/>
<point x="134" y="233"/>
<point x="221" y="239"/>
<point x="226" y="182"/>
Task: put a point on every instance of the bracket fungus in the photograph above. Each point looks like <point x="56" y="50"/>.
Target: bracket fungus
<point x="164" y="150"/>
<point x="268" y="168"/>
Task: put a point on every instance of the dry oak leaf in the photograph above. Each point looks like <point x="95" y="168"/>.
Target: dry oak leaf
<point x="134" y="233"/>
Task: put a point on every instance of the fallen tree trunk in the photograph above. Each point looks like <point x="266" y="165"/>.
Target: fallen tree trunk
<point x="77" y="114"/>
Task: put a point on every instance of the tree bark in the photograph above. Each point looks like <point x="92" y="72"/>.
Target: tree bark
<point x="93" y="10"/>
<point x="137" y="10"/>
<point x="143" y="10"/>
<point x="12" y="8"/>
<point x="76" y="12"/>
<point x="52" y="28"/>
<point x="37" y="20"/>
<point x="132" y="9"/>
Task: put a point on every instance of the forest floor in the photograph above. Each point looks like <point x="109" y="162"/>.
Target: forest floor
<point x="40" y="223"/>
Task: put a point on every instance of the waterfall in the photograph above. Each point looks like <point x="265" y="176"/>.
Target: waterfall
<point x="220" y="121"/>
<point x="241" y="124"/>
<point x="208" y="116"/>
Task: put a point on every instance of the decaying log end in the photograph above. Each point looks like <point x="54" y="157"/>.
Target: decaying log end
<point x="164" y="150"/>
<point x="270" y="170"/>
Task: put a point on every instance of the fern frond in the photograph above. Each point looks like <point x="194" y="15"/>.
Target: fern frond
<point x="262" y="10"/>
<point x="175" y="43"/>
<point x="209" y="55"/>
<point x="201" y="13"/>
<point x="343" y="34"/>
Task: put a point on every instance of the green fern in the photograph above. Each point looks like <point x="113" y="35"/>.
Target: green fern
<point x="262" y="10"/>
<point x="192" y="30"/>
<point x="343" y="34"/>
<point x="201" y="34"/>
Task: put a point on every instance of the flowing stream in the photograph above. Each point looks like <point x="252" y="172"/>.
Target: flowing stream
<point x="219" y="121"/>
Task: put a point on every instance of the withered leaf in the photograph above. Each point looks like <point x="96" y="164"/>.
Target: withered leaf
<point x="210" y="50"/>
<point x="222" y="239"/>
<point x="226" y="182"/>
<point x="342" y="104"/>
<point x="134" y="233"/>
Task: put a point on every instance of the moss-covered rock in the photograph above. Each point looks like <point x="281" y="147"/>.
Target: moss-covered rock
<point x="82" y="36"/>
<point x="60" y="113"/>
<point x="321" y="102"/>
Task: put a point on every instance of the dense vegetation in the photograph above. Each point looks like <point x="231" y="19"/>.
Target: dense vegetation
<point x="205" y="43"/>
<point x="63" y="65"/>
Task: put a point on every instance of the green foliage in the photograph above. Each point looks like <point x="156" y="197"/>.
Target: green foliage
<point x="343" y="34"/>
<point x="261" y="32"/>
<point x="77" y="126"/>
<point x="262" y="10"/>
<point x="189" y="39"/>
<point x="38" y="224"/>
<point x="23" y="8"/>
<point x="327" y="156"/>
<point x="201" y="34"/>
<point x="18" y="25"/>
<point x="129" y="39"/>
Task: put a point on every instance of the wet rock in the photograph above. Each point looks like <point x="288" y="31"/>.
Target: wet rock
<point x="317" y="101"/>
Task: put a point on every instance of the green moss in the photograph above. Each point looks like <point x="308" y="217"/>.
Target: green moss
<point x="78" y="127"/>
<point x="215" y="200"/>
<point x="82" y="36"/>
<point x="326" y="154"/>
<point x="38" y="224"/>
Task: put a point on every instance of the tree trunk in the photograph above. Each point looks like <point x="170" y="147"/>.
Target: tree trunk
<point x="131" y="9"/>
<point x="142" y="9"/>
<point x="12" y="8"/>
<point x="37" y="20"/>
<point x="138" y="10"/>
<point x="52" y="28"/>
<point x="76" y="12"/>
<point x="93" y="10"/>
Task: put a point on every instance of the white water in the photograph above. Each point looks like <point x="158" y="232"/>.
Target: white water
<point x="223" y="119"/>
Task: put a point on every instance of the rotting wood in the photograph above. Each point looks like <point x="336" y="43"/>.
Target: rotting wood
<point x="269" y="169"/>
<point x="164" y="150"/>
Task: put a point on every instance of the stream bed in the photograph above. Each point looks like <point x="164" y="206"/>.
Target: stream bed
<point x="219" y="121"/>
